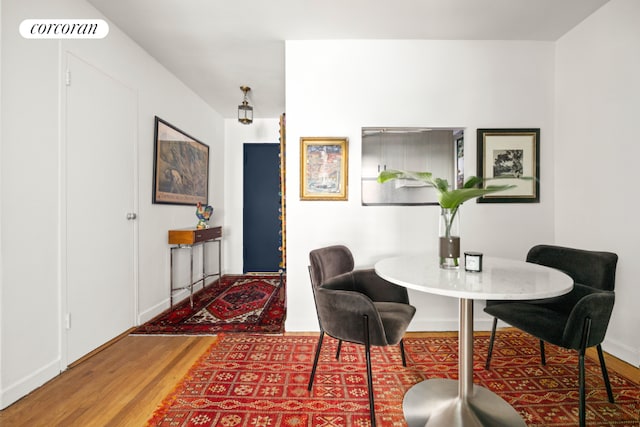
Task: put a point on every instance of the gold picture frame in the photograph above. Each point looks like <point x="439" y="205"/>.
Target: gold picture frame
<point x="324" y="165"/>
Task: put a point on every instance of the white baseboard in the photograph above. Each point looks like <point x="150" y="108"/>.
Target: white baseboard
<point x="155" y="310"/>
<point x="152" y="312"/>
<point x="26" y="385"/>
<point x="622" y="352"/>
<point x="614" y="348"/>
<point x="444" y="325"/>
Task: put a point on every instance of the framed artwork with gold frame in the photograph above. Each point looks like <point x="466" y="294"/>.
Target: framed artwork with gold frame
<point x="324" y="168"/>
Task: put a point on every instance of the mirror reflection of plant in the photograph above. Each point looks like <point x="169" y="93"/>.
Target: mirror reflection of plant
<point x="447" y="198"/>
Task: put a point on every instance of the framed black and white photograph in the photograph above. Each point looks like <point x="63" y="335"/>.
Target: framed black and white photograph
<point x="510" y="157"/>
<point x="181" y="167"/>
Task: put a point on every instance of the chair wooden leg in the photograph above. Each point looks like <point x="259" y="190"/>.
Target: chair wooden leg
<point x="339" y="348"/>
<point x="404" y="358"/>
<point x="367" y="350"/>
<point x="315" y="360"/>
<point x="605" y="375"/>
<point x="493" y="337"/>
<point x="543" y="358"/>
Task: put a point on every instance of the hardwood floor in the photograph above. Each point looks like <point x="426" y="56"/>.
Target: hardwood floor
<point x="123" y="384"/>
<point x="120" y="386"/>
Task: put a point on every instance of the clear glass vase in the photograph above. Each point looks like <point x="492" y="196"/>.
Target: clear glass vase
<point x="449" y="234"/>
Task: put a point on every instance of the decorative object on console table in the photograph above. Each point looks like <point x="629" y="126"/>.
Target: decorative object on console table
<point x="510" y="155"/>
<point x="187" y="238"/>
<point x="203" y="212"/>
<point x="450" y="201"/>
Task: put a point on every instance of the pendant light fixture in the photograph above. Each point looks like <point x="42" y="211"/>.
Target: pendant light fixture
<point x="245" y="111"/>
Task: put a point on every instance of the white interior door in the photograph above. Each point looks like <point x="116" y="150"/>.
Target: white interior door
<point x="101" y="119"/>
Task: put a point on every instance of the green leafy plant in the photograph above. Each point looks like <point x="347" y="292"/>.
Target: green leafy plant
<point x="447" y="198"/>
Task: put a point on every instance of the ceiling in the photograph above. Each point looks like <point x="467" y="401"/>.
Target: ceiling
<point x="215" y="46"/>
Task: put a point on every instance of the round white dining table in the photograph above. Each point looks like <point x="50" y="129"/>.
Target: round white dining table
<point x="451" y="403"/>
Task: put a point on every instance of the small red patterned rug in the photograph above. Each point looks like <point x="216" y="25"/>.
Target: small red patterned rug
<point x="261" y="380"/>
<point x="232" y="304"/>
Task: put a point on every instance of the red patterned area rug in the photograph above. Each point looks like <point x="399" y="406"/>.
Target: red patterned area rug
<point x="261" y="380"/>
<point x="232" y="304"/>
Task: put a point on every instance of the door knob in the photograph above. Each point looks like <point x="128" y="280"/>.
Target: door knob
<point x="131" y="216"/>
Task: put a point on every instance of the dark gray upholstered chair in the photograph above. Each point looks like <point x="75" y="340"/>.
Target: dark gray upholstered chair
<point x="356" y="306"/>
<point x="577" y="320"/>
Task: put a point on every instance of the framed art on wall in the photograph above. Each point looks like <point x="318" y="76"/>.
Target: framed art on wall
<point x="510" y="157"/>
<point x="323" y="168"/>
<point x="459" y="161"/>
<point x="181" y="167"/>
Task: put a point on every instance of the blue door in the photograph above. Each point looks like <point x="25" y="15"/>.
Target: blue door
<point x="261" y="208"/>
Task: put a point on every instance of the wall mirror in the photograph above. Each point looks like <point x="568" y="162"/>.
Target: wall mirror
<point x="436" y="150"/>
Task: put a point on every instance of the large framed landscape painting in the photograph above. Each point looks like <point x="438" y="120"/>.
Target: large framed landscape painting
<point x="181" y="167"/>
<point x="323" y="168"/>
<point x="510" y="157"/>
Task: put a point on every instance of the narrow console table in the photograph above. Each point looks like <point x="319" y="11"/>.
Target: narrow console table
<point x="187" y="238"/>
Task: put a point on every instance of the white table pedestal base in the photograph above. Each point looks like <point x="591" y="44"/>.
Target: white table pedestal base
<point x="436" y="403"/>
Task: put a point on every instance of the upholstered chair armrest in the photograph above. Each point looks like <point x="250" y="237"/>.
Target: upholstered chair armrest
<point x="341" y="312"/>
<point x="378" y="289"/>
<point x="565" y="303"/>
<point x="598" y="307"/>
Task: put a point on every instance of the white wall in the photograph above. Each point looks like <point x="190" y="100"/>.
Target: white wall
<point x="598" y="106"/>
<point x="334" y="88"/>
<point x="30" y="288"/>
<point x="31" y="337"/>
<point x="236" y="135"/>
<point x="1" y="193"/>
